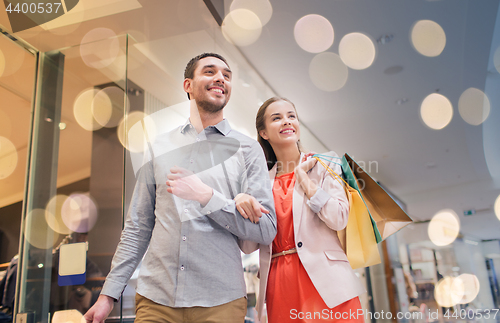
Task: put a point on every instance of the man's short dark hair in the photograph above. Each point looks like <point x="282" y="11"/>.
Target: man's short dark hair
<point x="193" y="63"/>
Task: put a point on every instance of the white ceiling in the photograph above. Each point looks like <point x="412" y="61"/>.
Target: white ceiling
<point x="428" y="169"/>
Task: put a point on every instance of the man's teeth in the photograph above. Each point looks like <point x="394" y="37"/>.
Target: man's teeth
<point x="217" y="90"/>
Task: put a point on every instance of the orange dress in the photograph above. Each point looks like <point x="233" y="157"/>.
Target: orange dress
<point x="291" y="295"/>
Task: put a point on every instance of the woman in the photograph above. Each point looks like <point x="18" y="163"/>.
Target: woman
<point x="305" y="275"/>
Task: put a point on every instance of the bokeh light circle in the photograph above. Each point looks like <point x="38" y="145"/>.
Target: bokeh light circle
<point x="497" y="207"/>
<point x="136" y="130"/>
<point x="5" y="124"/>
<point x="112" y="99"/>
<point x="82" y="110"/>
<point x="446" y="292"/>
<point x="474" y="106"/>
<point x="99" y="48"/>
<point x="444" y="227"/>
<point x="8" y="157"/>
<point x="53" y="214"/>
<point x="465" y="288"/>
<point x="314" y="33"/>
<point x="12" y="57"/>
<point x="496" y="59"/>
<point x="436" y="111"/>
<point x="101" y="108"/>
<point x="357" y="51"/>
<point x="241" y="27"/>
<point x="328" y="72"/>
<point x="37" y="231"/>
<point x="262" y="8"/>
<point x="2" y="63"/>
<point x="79" y="212"/>
<point x="428" y="38"/>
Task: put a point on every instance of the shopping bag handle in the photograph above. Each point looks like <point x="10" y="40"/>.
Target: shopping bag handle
<point x="328" y="158"/>
<point x="334" y="175"/>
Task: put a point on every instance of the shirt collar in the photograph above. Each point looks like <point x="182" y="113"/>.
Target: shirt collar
<point x="223" y="127"/>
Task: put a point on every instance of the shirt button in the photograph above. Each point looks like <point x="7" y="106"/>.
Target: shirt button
<point x="182" y="267"/>
<point x="299" y="244"/>
<point x="185" y="210"/>
<point x="227" y="227"/>
<point x="184" y="238"/>
<point x="208" y="212"/>
<point x="191" y="161"/>
<point x="198" y="139"/>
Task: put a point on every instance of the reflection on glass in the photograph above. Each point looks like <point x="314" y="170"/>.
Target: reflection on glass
<point x="444" y="227"/>
<point x="37" y="232"/>
<point x="357" y="51"/>
<point x="497" y="207"/>
<point x="496" y="59"/>
<point x="82" y="110"/>
<point x="328" y="72"/>
<point x="241" y="27"/>
<point x="8" y="157"/>
<point x="99" y="48"/>
<point x="314" y="33"/>
<point x="474" y="106"/>
<point x="67" y="23"/>
<point x="446" y="292"/>
<point x="110" y="101"/>
<point x="5" y="125"/>
<point x="262" y="8"/>
<point x="469" y="284"/>
<point x="136" y="130"/>
<point x="436" y="111"/>
<point x="2" y="63"/>
<point x="12" y="58"/>
<point x="428" y="38"/>
<point x="53" y="214"/>
<point x="79" y="212"/>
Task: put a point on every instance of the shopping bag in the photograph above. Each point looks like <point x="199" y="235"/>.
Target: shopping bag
<point x="387" y="216"/>
<point x="358" y="238"/>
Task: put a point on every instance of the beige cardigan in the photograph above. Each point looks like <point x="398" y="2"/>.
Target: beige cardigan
<point x="316" y="222"/>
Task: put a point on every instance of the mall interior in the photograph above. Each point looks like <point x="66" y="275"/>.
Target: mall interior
<point x="409" y="89"/>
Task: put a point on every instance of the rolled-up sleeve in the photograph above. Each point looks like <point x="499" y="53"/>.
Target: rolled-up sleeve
<point x="257" y="184"/>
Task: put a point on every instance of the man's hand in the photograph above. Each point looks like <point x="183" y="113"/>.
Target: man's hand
<point x="100" y="311"/>
<point x="186" y="185"/>
<point x="249" y="207"/>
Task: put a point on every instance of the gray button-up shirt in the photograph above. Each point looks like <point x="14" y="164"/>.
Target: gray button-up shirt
<point x="193" y="257"/>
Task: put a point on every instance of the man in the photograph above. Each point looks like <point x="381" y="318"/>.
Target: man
<point x="183" y="210"/>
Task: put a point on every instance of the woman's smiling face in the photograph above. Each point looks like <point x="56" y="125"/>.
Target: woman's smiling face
<point x="282" y="125"/>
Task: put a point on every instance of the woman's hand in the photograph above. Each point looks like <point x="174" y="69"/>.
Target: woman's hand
<point x="303" y="179"/>
<point x="249" y="207"/>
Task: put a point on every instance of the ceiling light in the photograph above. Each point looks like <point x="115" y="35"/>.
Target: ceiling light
<point x="428" y="38"/>
<point x="384" y="39"/>
<point x="328" y="72"/>
<point x="402" y="101"/>
<point x="62" y="125"/>
<point x="314" y="33"/>
<point x="262" y="8"/>
<point x="444" y="227"/>
<point x="241" y="27"/>
<point x="357" y="51"/>
<point x="474" y="106"/>
<point x="436" y="111"/>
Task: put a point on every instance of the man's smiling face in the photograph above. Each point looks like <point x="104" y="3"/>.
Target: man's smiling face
<point x="211" y="84"/>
